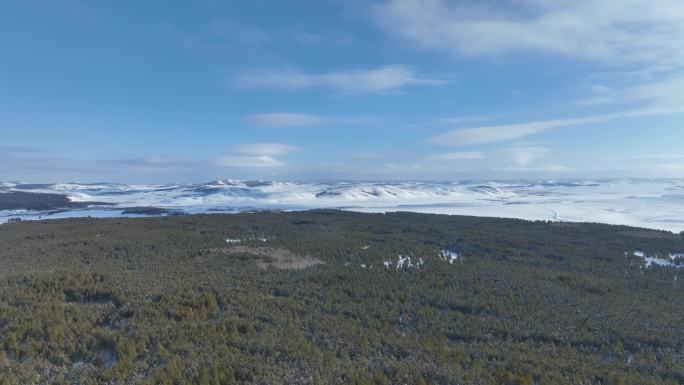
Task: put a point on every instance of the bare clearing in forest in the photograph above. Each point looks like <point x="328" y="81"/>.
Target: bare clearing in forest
<point x="278" y="258"/>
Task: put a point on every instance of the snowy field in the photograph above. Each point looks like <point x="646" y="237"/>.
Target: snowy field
<point x="657" y="203"/>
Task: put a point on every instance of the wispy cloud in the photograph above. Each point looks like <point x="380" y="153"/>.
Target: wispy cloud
<point x="285" y="120"/>
<point x="490" y="134"/>
<point x="240" y="161"/>
<point x="641" y="32"/>
<point x="256" y="155"/>
<point x="265" y="149"/>
<point x="382" y="79"/>
<point x="552" y="168"/>
<point x="525" y="154"/>
<point x="464" y="119"/>
<point x="666" y="92"/>
<point x="246" y="160"/>
<point x="465" y="155"/>
<point x="296" y="119"/>
<point x="333" y="38"/>
<point x="17" y="150"/>
<point x="27" y="162"/>
<point x="154" y="163"/>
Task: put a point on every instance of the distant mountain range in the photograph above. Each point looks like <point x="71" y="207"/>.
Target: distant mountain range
<point x="657" y="203"/>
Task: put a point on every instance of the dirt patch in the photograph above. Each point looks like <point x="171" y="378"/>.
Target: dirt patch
<point x="278" y="258"/>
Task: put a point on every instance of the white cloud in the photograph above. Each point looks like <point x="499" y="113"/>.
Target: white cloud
<point x="465" y="155"/>
<point x="489" y="134"/>
<point x="327" y="38"/>
<point x="553" y="168"/>
<point x="295" y="119"/>
<point x="271" y="149"/>
<point x="615" y="32"/>
<point x="261" y="161"/>
<point x="285" y="120"/>
<point x="152" y="163"/>
<point x="666" y="92"/>
<point x="634" y="45"/>
<point x="524" y="155"/>
<point x="480" y="135"/>
<point x="382" y="79"/>
<point x="464" y="119"/>
<point x="365" y="156"/>
<point x="255" y="155"/>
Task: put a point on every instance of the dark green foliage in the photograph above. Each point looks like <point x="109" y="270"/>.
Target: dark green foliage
<point x="146" y="210"/>
<point x="159" y="301"/>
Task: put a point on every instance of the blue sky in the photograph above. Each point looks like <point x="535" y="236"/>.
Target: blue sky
<point x="392" y="89"/>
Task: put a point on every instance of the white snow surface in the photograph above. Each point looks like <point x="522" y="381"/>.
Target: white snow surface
<point x="402" y="260"/>
<point x="450" y="256"/>
<point x="659" y="261"/>
<point x="667" y="261"/>
<point x="652" y="203"/>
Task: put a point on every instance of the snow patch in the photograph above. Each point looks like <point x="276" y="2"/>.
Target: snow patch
<point x="651" y="260"/>
<point x="80" y="197"/>
<point x="239" y="240"/>
<point x="450" y="256"/>
<point x="79" y="364"/>
<point x="401" y="261"/>
<point x="659" y="261"/>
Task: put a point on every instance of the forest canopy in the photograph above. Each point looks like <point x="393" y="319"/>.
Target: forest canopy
<point x="332" y="297"/>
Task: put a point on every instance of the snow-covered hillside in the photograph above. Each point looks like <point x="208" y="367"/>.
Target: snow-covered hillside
<point x="647" y="203"/>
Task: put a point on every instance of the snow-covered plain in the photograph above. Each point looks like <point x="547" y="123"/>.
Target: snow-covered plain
<point x="656" y="203"/>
